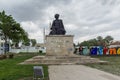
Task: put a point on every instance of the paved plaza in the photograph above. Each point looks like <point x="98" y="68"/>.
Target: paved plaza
<point x="78" y="72"/>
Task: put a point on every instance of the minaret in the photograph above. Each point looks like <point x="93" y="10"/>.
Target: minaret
<point x="44" y="34"/>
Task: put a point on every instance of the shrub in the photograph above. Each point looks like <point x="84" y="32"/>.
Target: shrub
<point x="3" y="56"/>
<point x="40" y="51"/>
<point x="11" y="56"/>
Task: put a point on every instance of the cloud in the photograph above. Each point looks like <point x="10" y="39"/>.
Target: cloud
<point x="35" y="32"/>
<point x="28" y="9"/>
<point x="113" y="33"/>
<point x="85" y="19"/>
<point x="30" y="26"/>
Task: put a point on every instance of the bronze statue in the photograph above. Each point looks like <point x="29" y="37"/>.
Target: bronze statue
<point x="57" y="27"/>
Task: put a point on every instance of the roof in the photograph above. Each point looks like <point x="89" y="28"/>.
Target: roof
<point x="115" y="43"/>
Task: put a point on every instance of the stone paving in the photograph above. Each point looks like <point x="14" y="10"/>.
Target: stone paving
<point x="78" y="72"/>
<point x="72" y="72"/>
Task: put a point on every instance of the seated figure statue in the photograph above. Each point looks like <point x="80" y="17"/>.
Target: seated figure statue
<point x="57" y="27"/>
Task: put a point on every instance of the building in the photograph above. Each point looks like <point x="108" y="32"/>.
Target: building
<point x="115" y="44"/>
<point x="2" y="41"/>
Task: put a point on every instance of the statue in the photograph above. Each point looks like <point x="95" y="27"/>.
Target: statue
<point x="57" y="27"/>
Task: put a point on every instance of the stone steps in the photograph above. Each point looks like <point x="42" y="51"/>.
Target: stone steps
<point x="61" y="60"/>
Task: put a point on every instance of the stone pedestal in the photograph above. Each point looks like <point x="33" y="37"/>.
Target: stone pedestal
<point x="59" y="45"/>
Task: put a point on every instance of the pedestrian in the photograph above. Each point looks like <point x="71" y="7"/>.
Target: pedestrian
<point x="80" y="50"/>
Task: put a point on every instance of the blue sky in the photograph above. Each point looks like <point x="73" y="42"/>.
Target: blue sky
<point x="85" y="19"/>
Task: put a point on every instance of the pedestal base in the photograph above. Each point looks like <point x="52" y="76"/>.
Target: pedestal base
<point x="59" y="45"/>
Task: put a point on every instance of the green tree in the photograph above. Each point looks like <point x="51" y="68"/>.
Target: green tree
<point x="27" y="42"/>
<point x="99" y="38"/>
<point x="85" y="43"/>
<point x="108" y="39"/>
<point x="99" y="41"/>
<point x="11" y="29"/>
<point x="92" y="42"/>
<point x="33" y="41"/>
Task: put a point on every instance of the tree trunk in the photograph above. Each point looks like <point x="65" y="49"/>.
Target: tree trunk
<point x="5" y="51"/>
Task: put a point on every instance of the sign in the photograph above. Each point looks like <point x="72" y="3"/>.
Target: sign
<point x="105" y="51"/>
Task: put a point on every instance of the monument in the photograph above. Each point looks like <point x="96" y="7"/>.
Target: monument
<point x="59" y="48"/>
<point x="57" y="26"/>
<point x="57" y="43"/>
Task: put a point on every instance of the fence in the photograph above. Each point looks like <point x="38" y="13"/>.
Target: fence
<point x="28" y="49"/>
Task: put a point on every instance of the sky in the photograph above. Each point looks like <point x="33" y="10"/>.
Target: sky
<point x="85" y="19"/>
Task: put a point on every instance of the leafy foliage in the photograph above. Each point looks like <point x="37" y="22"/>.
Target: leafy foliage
<point x="99" y="41"/>
<point x="11" y="29"/>
<point x="33" y="41"/>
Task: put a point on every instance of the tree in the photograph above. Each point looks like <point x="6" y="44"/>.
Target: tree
<point x="11" y="29"/>
<point x="27" y="42"/>
<point x="33" y="41"/>
<point x="108" y="39"/>
<point x="92" y="42"/>
<point x="99" y="41"/>
<point x="99" y="38"/>
<point x="85" y="43"/>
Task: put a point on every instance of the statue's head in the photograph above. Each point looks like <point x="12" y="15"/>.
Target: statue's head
<point x="56" y="16"/>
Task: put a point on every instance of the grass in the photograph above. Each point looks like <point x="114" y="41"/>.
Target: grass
<point x="11" y="70"/>
<point x="112" y="67"/>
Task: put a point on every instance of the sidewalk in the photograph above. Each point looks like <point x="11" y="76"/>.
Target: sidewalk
<point x="78" y="72"/>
